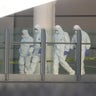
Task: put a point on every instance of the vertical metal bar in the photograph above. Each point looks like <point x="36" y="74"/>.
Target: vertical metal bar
<point x="6" y="54"/>
<point x="14" y="37"/>
<point x="78" y="55"/>
<point x="43" y="54"/>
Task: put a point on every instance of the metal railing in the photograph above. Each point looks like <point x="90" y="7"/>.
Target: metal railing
<point x="43" y="54"/>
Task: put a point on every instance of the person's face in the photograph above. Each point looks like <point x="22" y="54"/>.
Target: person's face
<point x="56" y="31"/>
<point x="75" y="30"/>
<point x="22" y="34"/>
<point x="36" y="30"/>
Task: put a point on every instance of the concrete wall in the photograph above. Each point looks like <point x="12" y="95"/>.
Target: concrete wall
<point x="48" y="89"/>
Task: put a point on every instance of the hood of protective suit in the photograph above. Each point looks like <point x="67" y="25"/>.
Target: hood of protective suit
<point x="25" y="33"/>
<point x="77" y="27"/>
<point x="61" y="36"/>
<point x="58" y="29"/>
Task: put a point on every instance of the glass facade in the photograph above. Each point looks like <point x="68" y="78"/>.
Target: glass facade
<point x="39" y="65"/>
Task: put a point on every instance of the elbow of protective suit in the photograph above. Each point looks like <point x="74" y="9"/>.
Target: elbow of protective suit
<point x="88" y="47"/>
<point x="72" y="47"/>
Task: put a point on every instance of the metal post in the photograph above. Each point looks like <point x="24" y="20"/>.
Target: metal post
<point x="43" y="54"/>
<point x="6" y="54"/>
<point x="78" y="55"/>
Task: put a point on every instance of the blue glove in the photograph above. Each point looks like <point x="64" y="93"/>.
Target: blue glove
<point x="66" y="52"/>
<point x="39" y="51"/>
<point x="87" y="52"/>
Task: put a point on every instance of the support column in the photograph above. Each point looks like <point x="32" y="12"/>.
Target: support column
<point x="45" y="17"/>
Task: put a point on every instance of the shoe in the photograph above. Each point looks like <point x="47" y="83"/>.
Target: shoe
<point x="55" y="73"/>
<point x="21" y="72"/>
<point x="28" y="72"/>
<point x="72" y="73"/>
<point x="82" y="72"/>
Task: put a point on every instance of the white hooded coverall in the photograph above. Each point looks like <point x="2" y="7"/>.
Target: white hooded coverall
<point x="25" y="50"/>
<point x="84" y="39"/>
<point x="58" y="56"/>
<point x="37" y="49"/>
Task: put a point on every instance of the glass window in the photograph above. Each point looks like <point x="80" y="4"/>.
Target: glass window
<point x="2" y="40"/>
<point x="60" y="60"/>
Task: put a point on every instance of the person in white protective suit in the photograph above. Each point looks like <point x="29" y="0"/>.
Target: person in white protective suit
<point x="61" y="51"/>
<point x="25" y="50"/>
<point x="37" y="49"/>
<point x="84" y="47"/>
